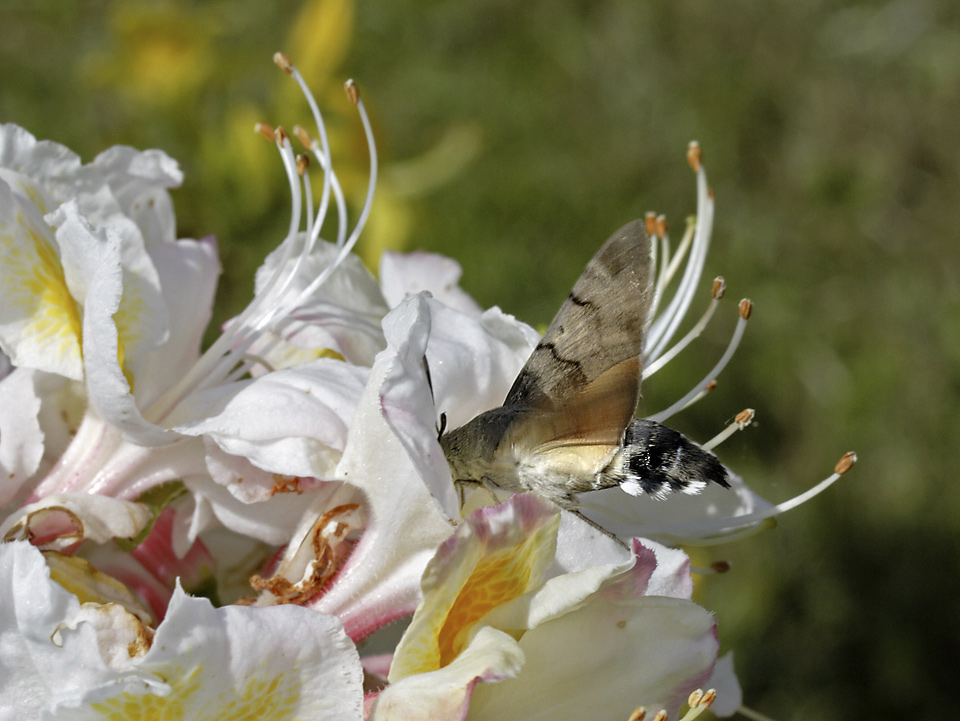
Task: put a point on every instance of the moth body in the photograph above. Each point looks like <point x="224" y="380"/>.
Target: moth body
<point x="567" y="424"/>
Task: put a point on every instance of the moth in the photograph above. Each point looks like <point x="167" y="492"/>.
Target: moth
<point x="567" y="425"/>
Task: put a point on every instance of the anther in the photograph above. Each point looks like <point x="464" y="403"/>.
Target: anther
<point x="845" y="463"/>
<point x="651" y="220"/>
<point x="281" y="135"/>
<point x="694" y="698"/>
<point x="708" y="698"/>
<point x="283" y="62"/>
<point x="720" y="566"/>
<point x="303" y="136"/>
<point x="265" y="130"/>
<point x="694" y="155"/>
<point x="745" y="417"/>
<point x="710" y="386"/>
<point x="746" y="308"/>
<point x="661" y="226"/>
<point x="353" y="92"/>
<point x="638" y="713"/>
<point x="719" y="288"/>
<point x="303" y="162"/>
<point x="661" y="715"/>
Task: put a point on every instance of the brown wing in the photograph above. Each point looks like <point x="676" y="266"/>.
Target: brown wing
<point x="581" y="383"/>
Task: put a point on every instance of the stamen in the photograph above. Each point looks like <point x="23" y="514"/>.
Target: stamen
<point x="283" y="62"/>
<point x="716" y="568"/>
<point x="716" y="294"/>
<point x="661" y="715"/>
<point x="722" y="530"/>
<point x="304" y="137"/>
<point x="638" y="714"/>
<point x="265" y="130"/>
<point x="651" y="220"/>
<point x="665" y="325"/>
<point x="354" y="96"/>
<point x="745" y="307"/>
<point x="303" y="164"/>
<point x="699" y="701"/>
<point x="694" y="155"/>
<point x="751" y="714"/>
<point x="707" y="390"/>
<point x="661" y="226"/>
<point x="744" y="418"/>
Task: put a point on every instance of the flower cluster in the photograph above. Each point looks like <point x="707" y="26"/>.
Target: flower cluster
<point x="205" y="535"/>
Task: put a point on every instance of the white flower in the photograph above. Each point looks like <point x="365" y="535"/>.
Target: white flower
<point x="499" y="608"/>
<point x="67" y="661"/>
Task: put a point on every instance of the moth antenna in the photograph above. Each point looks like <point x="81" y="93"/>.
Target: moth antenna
<point x="716" y="293"/>
<point x="743" y="419"/>
<point x="443" y="425"/>
<point x="746" y="308"/>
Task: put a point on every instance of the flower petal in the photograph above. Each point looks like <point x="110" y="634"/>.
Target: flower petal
<point x="650" y="651"/>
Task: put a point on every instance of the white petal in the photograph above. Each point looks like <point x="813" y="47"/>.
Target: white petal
<point x="72" y="517"/>
<point x="607" y="657"/>
<point x="381" y="578"/>
<point x="444" y="695"/>
<point x="405" y="274"/>
<point x="35" y="669"/>
<point x="724" y="682"/>
<point x="188" y="272"/>
<point x="21" y="440"/>
<point x="292" y="422"/>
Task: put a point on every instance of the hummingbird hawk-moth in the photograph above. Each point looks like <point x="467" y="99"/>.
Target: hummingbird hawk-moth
<point x="567" y="425"/>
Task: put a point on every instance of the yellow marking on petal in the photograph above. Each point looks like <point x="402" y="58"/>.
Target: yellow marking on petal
<point x="129" y="706"/>
<point x="35" y="283"/>
<point x="272" y="697"/>
<point x="496" y="580"/>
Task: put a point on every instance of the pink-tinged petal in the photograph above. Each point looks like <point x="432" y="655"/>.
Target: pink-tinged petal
<point x="672" y="575"/>
<point x="40" y="319"/>
<point x="21" y="439"/>
<point x="610" y="654"/>
<point x="62" y="520"/>
<point x="381" y="579"/>
<point x="407" y="402"/>
<point x="406" y="274"/>
<point x="444" y="694"/>
<point x="724" y="682"/>
<point x="188" y="272"/>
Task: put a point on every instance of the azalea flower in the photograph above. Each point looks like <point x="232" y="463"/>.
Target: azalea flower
<point x="300" y="451"/>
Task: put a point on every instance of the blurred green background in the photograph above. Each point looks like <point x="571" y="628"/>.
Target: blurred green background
<point x="517" y="136"/>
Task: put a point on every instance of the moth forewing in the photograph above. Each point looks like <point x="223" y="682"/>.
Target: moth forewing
<point x="599" y="325"/>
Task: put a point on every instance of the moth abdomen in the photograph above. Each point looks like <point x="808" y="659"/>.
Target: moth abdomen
<point x="658" y="461"/>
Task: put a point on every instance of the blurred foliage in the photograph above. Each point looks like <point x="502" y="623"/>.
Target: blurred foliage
<point x="517" y="136"/>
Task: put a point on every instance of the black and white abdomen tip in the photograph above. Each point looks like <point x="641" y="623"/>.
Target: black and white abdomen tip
<point x="658" y="461"/>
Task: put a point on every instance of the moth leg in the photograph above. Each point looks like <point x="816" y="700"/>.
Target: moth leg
<point x="487" y="485"/>
<point x="600" y="528"/>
